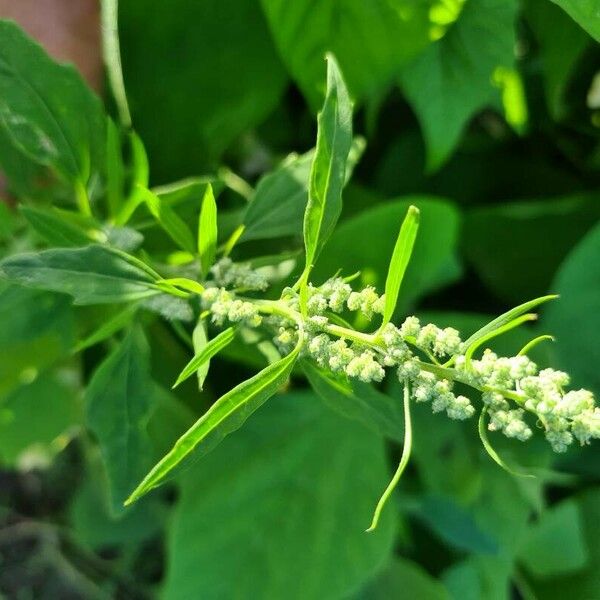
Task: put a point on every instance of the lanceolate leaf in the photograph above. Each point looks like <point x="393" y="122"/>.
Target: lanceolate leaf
<point x="47" y="110"/>
<point x="117" y="410"/>
<point x="507" y="317"/>
<point x="111" y="326"/>
<point x="92" y="275"/>
<point x="225" y="416"/>
<point x="400" y="258"/>
<point x="199" y="341"/>
<point x="205" y="353"/>
<point x="207" y="230"/>
<point x="334" y="138"/>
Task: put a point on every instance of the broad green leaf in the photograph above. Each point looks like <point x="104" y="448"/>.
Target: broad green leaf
<point x="48" y="112"/>
<point x="371" y="40"/>
<point x="527" y="264"/>
<point x="168" y="219"/>
<point x="207" y="230"/>
<point x="403" y="578"/>
<point x="584" y="12"/>
<point x="562" y="44"/>
<point x="205" y="353"/>
<point x="37" y="331"/>
<point x="108" y="328"/>
<point x="358" y="401"/>
<point x="50" y="224"/>
<point x="433" y="262"/>
<point x="204" y="104"/>
<point x="91" y="275"/>
<point x="328" y="169"/>
<point x="575" y="319"/>
<point x="278" y="205"/>
<point x="399" y="261"/>
<point x="281" y="505"/>
<point x="452" y="79"/>
<point x="505" y="320"/>
<point x="35" y="416"/>
<point x="454" y="525"/>
<point x="541" y="551"/>
<point x="112" y="57"/>
<point x="225" y="416"/>
<point x="118" y="406"/>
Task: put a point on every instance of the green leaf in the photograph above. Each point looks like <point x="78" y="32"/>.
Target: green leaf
<point x="505" y="320"/>
<point x="433" y="262"/>
<point x="115" y="175"/>
<point x="584" y="12"/>
<point x="403" y="578"/>
<point x="452" y="79"/>
<point x="358" y="401"/>
<point x="575" y="319"/>
<point x="50" y="115"/>
<point x="399" y="261"/>
<point x="225" y="416"/>
<point x="540" y="552"/>
<point x="199" y="342"/>
<point x="118" y="406"/>
<point x="50" y="224"/>
<point x="35" y="415"/>
<point x="37" y="330"/>
<point x="204" y="104"/>
<point x="108" y="328"/>
<point x="205" y="353"/>
<point x="207" y="230"/>
<point x="112" y="57"/>
<point x="371" y="40"/>
<point x="280" y="504"/>
<point x="328" y="169"/>
<point x="92" y="275"/>
<point x="169" y="220"/>
<point x="526" y="266"/>
<point x="278" y="205"/>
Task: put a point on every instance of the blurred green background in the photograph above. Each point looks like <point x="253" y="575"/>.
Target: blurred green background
<point x="486" y="115"/>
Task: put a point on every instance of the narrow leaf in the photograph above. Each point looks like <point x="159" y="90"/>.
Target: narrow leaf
<point x="168" y="219"/>
<point x="400" y="258"/>
<point x="199" y="342"/>
<point x="111" y="326"/>
<point x="184" y="283"/>
<point x="225" y="416"/>
<point x="327" y="174"/>
<point x="492" y="452"/>
<point x="507" y="317"/>
<point x="92" y="275"/>
<point x="534" y="342"/>
<point x="115" y="175"/>
<point x="205" y="354"/>
<point x="406" y="450"/>
<point x="207" y="230"/>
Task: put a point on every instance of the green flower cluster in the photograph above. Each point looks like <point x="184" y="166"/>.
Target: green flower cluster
<point x="431" y="359"/>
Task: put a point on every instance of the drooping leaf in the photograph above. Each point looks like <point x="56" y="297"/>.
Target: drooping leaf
<point x="278" y="205"/>
<point x="91" y="275"/>
<point x="205" y="353"/>
<point x="452" y="79"/>
<point x="585" y="12"/>
<point x="399" y="261"/>
<point x="118" y="406"/>
<point x="296" y="477"/>
<point x="358" y="401"/>
<point x="207" y="230"/>
<point x="48" y="112"/>
<point x="225" y="416"/>
<point x="328" y="169"/>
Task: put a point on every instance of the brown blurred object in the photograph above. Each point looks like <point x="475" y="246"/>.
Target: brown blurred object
<point x="68" y="29"/>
